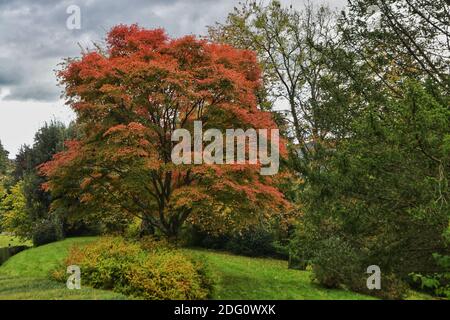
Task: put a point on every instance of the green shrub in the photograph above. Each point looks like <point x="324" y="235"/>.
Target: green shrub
<point x="336" y="264"/>
<point x="147" y="270"/>
<point x="46" y="231"/>
<point x="253" y="242"/>
<point x="437" y="283"/>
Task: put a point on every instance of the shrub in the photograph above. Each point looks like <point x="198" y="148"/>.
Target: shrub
<point x="46" y="231"/>
<point x="253" y="242"/>
<point x="166" y="275"/>
<point x="148" y="270"/>
<point x="337" y="263"/>
<point x="437" y="283"/>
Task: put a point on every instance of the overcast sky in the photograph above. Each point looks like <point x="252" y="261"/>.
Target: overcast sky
<point x="34" y="39"/>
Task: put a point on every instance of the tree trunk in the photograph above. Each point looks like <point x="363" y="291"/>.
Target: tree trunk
<point x="146" y="229"/>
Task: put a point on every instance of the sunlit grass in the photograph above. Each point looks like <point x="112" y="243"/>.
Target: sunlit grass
<point x="10" y="241"/>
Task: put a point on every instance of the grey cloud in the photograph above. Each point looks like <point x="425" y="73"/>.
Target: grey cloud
<point x="9" y="73"/>
<point x="34" y="37"/>
<point x="37" y="92"/>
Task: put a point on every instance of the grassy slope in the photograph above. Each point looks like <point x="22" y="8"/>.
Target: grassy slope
<point x="257" y="278"/>
<point x="25" y="276"/>
<point x="6" y="241"/>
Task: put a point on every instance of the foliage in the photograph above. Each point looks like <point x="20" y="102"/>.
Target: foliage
<point x="381" y="194"/>
<point x="12" y="241"/>
<point x="129" y="99"/>
<point x="47" y="231"/>
<point x="4" y="161"/>
<point x="27" y="203"/>
<point x="160" y="273"/>
<point x="437" y="283"/>
<point x="12" y="212"/>
<point x="288" y="43"/>
<point x="370" y="141"/>
<point x="36" y="220"/>
<point x="254" y="241"/>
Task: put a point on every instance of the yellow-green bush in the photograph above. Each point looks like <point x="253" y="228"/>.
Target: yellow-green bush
<point x="126" y="267"/>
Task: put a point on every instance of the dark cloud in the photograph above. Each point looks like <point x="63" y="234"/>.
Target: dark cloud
<point x="9" y="73"/>
<point x="45" y="92"/>
<point x="34" y="37"/>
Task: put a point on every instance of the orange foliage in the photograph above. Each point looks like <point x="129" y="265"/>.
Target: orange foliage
<point x="130" y="99"/>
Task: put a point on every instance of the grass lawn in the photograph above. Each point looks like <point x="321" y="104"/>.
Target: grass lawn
<point x="26" y="276"/>
<point x="37" y="262"/>
<point x="6" y="241"/>
<point x="260" y="278"/>
<point x="20" y="288"/>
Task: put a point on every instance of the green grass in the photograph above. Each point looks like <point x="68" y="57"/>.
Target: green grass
<point x="37" y="262"/>
<point x="6" y="241"/>
<point x="26" y="276"/>
<point x="20" y="288"/>
<point x="260" y="278"/>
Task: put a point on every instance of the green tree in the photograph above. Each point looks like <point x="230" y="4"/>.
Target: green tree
<point x="4" y="161"/>
<point x="370" y="94"/>
<point x="13" y="214"/>
<point x="381" y="186"/>
<point x="289" y="44"/>
<point x="36" y="218"/>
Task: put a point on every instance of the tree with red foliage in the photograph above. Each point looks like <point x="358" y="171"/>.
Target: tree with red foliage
<point x="129" y="98"/>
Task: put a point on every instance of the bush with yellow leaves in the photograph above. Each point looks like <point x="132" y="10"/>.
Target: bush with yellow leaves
<point x="148" y="270"/>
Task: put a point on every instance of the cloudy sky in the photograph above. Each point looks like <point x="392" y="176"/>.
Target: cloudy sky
<point x="34" y="38"/>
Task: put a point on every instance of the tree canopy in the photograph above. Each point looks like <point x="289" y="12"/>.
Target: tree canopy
<point x="129" y="99"/>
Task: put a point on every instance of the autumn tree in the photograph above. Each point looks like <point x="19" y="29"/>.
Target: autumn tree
<point x="129" y="98"/>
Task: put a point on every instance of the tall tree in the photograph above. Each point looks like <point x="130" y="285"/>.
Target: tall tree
<point x="27" y="205"/>
<point x="129" y="99"/>
<point x="381" y="195"/>
<point x="287" y="42"/>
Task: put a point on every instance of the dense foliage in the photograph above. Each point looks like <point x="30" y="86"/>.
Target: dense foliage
<point x="3" y="160"/>
<point x="370" y="132"/>
<point x="26" y="206"/>
<point x="129" y="100"/>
